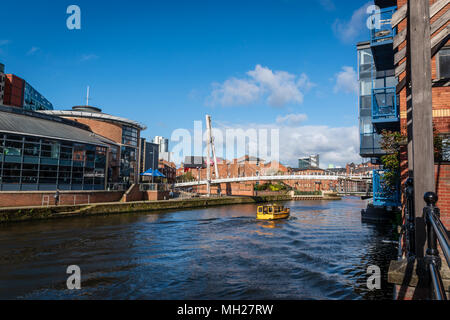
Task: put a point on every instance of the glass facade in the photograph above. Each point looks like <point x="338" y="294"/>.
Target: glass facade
<point x="33" y="163"/>
<point x="370" y="82"/>
<point x="33" y="100"/>
<point x="128" y="163"/>
<point x="129" y="136"/>
<point x="129" y="155"/>
<point x="369" y="139"/>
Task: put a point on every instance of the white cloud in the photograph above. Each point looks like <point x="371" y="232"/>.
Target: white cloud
<point x="235" y="92"/>
<point x="277" y="88"/>
<point x="328" y="5"/>
<point x="33" y="50"/>
<point x="346" y="81"/>
<point x="348" y="31"/>
<point x="292" y="119"/>
<point x="88" y="57"/>
<point x="337" y="146"/>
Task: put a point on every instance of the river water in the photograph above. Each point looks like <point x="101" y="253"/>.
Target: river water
<point x="321" y="252"/>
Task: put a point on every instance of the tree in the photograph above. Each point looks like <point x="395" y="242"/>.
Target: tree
<point x="391" y="143"/>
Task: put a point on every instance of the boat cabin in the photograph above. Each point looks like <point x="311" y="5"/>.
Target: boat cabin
<point x="271" y="209"/>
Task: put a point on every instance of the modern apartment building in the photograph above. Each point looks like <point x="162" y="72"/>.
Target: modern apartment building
<point x="378" y="98"/>
<point x="149" y="155"/>
<point x="163" y="144"/>
<point x="312" y="161"/>
<point x="385" y="95"/>
<point x="19" y="93"/>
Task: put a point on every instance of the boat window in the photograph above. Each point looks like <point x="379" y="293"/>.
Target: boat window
<point x="260" y="209"/>
<point x="270" y="210"/>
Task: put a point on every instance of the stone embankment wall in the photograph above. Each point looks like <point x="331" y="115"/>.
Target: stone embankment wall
<point x="52" y="212"/>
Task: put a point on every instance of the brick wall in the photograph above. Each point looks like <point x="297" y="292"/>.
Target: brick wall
<point x="13" y="95"/>
<point x="156" y="195"/>
<point x="133" y="194"/>
<point x="442" y="173"/>
<point x="441" y="121"/>
<point x="34" y="198"/>
<point x="106" y="129"/>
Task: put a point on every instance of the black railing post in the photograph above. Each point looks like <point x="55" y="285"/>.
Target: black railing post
<point x="432" y="253"/>
<point x="432" y="259"/>
<point x="411" y="217"/>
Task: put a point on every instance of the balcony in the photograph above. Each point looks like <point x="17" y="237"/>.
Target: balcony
<point x="382" y="38"/>
<point x="385" y="113"/>
<point x="370" y="146"/>
<point x="383" y="194"/>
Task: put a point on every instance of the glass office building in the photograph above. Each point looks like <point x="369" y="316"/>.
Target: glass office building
<point x="33" y="100"/>
<point x="44" y="153"/>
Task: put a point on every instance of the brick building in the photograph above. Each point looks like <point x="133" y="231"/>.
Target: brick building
<point x="363" y="168"/>
<point x="169" y="169"/>
<point x="242" y="167"/>
<point x="16" y="92"/>
<point x="2" y="82"/>
<point x="122" y="136"/>
<point x="440" y="74"/>
<point x="250" y="167"/>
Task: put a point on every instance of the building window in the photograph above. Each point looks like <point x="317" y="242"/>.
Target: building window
<point x="443" y="63"/>
<point x="129" y="136"/>
<point x="30" y="163"/>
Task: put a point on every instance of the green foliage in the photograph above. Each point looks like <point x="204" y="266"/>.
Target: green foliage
<point x="439" y="146"/>
<point x="270" y="187"/>
<point x="391" y="143"/>
<point x="307" y="193"/>
<point x="187" y="177"/>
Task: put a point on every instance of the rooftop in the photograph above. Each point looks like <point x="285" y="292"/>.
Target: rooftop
<point x="19" y="121"/>
<point x="93" y="113"/>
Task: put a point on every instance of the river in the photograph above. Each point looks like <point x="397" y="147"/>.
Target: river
<point x="321" y="252"/>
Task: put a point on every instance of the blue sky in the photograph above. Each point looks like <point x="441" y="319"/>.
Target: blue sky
<point x="286" y="63"/>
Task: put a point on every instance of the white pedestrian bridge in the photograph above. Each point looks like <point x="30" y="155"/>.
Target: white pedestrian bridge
<point x="317" y="177"/>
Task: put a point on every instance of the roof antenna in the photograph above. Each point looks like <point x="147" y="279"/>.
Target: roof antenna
<point x="87" y="96"/>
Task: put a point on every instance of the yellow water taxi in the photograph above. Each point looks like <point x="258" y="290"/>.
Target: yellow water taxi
<point x="272" y="212"/>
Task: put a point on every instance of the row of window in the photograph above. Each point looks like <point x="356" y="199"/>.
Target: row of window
<point x="34" y="161"/>
<point x="30" y="147"/>
<point x="33" y="100"/>
<point x="130" y="136"/>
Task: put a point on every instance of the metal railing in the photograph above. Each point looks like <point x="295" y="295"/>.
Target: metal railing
<point x="384" y="195"/>
<point x="410" y="218"/>
<point x="384" y="105"/>
<point x="435" y="232"/>
<point x="154" y="187"/>
<point x="382" y="30"/>
<point x="117" y="187"/>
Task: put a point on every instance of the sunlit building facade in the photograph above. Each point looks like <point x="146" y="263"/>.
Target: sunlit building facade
<point x="40" y="152"/>
<point x="122" y="135"/>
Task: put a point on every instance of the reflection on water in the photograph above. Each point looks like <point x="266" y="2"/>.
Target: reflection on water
<point x="321" y="252"/>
